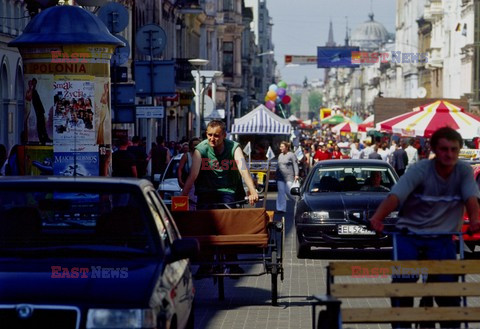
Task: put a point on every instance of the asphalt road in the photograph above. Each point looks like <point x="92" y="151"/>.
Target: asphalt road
<point x="247" y="301"/>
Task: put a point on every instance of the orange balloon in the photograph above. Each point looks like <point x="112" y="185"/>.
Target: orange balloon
<point x="271" y="95"/>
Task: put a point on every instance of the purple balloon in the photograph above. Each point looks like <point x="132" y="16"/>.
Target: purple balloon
<point x="281" y="92"/>
<point x="270" y="105"/>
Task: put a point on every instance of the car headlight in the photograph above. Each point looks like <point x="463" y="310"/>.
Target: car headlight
<point x="319" y="215"/>
<point x="121" y="318"/>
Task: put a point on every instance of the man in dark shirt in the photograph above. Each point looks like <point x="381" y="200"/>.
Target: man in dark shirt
<point x="160" y="156"/>
<point x="400" y="159"/>
<point x="140" y="156"/>
<point x="123" y="161"/>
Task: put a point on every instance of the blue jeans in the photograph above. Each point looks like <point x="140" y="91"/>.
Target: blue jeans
<point x="426" y="247"/>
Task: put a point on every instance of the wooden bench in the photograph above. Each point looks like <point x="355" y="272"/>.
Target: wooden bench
<point x="375" y="282"/>
<point x="223" y="232"/>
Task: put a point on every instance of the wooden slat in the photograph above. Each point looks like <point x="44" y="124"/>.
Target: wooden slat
<point x="356" y="290"/>
<point x="365" y="268"/>
<point x="436" y="314"/>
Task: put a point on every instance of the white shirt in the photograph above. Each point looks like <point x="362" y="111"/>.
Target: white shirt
<point x="412" y="154"/>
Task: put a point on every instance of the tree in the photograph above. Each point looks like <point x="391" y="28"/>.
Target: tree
<point x="295" y="103"/>
<point x="315" y="100"/>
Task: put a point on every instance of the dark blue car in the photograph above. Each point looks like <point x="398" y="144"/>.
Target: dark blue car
<point x="336" y="201"/>
<point x="91" y="253"/>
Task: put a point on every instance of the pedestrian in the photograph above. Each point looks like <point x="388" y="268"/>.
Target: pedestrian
<point x="322" y="153"/>
<point x="185" y="166"/>
<point x="374" y="154"/>
<point x="382" y="150"/>
<point x="400" y="159"/>
<point x="140" y="156"/>
<point x="432" y="197"/>
<point x="287" y="173"/>
<point x="412" y="154"/>
<point x="160" y="156"/>
<point x="355" y="150"/>
<point x="337" y="154"/>
<point x="123" y="161"/>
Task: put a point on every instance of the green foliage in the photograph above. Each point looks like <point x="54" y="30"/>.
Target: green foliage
<point x="315" y="100"/>
<point x="295" y="103"/>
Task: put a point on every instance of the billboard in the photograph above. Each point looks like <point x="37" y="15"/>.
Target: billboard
<point x="328" y="57"/>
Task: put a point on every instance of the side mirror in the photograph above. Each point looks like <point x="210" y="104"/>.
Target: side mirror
<point x="184" y="248"/>
<point x="295" y="191"/>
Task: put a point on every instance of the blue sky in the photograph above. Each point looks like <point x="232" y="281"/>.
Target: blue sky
<point x="300" y="26"/>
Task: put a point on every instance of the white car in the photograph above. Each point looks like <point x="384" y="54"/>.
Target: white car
<point x="168" y="186"/>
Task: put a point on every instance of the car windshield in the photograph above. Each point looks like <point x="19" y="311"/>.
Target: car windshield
<point x="351" y="178"/>
<point x="52" y="219"/>
<point x="172" y="169"/>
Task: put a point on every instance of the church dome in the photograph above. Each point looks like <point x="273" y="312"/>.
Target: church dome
<point x="370" y="35"/>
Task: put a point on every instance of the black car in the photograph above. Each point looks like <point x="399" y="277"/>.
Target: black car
<point x="91" y="253"/>
<point x="337" y="199"/>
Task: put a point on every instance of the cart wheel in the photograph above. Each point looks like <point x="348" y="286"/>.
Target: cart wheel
<point x="274" y="275"/>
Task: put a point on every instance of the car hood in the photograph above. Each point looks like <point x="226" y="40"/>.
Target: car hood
<point x="29" y="281"/>
<point x="344" y="201"/>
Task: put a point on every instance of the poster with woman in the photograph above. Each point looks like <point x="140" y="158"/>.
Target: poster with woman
<point x="74" y="110"/>
<point x="38" y="120"/>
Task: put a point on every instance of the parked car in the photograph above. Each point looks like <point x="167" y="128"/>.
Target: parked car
<point x="90" y="252"/>
<point x="335" y="202"/>
<point x="168" y="186"/>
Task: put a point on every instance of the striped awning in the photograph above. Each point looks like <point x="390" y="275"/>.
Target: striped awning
<point x="261" y="121"/>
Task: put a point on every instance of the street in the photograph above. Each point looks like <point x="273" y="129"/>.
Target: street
<point x="247" y="300"/>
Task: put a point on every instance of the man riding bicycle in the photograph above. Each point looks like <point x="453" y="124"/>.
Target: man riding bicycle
<point x="431" y="197"/>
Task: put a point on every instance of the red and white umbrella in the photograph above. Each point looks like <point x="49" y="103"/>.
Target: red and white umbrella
<point x="424" y="120"/>
<point x="367" y="124"/>
<point x="345" y="127"/>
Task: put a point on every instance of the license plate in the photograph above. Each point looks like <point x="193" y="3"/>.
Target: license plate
<point x="354" y="230"/>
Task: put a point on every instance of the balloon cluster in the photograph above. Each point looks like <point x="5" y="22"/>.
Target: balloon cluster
<point x="276" y="94"/>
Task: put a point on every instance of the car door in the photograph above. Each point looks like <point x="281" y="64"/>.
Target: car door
<point x="177" y="274"/>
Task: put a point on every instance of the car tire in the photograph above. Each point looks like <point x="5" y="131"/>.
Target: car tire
<point x="302" y="250"/>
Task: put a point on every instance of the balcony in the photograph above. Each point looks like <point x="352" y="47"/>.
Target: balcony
<point x="435" y="59"/>
<point x="433" y="10"/>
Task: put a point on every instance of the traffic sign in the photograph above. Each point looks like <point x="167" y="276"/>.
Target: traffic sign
<point x="150" y="112"/>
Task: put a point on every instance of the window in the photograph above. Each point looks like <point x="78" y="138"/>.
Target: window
<point x="228" y="59"/>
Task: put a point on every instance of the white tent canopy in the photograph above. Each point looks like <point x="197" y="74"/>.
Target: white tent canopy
<point x="261" y="121"/>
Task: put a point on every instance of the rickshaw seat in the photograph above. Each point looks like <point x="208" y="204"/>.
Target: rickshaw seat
<point x="225" y="227"/>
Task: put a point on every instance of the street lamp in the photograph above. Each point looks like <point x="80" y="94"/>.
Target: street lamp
<point x="197" y="62"/>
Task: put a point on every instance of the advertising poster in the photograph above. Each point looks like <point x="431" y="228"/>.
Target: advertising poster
<point x="80" y="161"/>
<point x="38" y="123"/>
<point x="38" y="160"/>
<point x="74" y="109"/>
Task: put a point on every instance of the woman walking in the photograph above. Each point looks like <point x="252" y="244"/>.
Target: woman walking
<point x="287" y="173"/>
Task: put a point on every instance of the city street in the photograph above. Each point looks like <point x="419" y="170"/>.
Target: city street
<point x="247" y="300"/>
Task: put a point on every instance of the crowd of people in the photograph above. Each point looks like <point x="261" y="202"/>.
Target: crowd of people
<point x="400" y="153"/>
